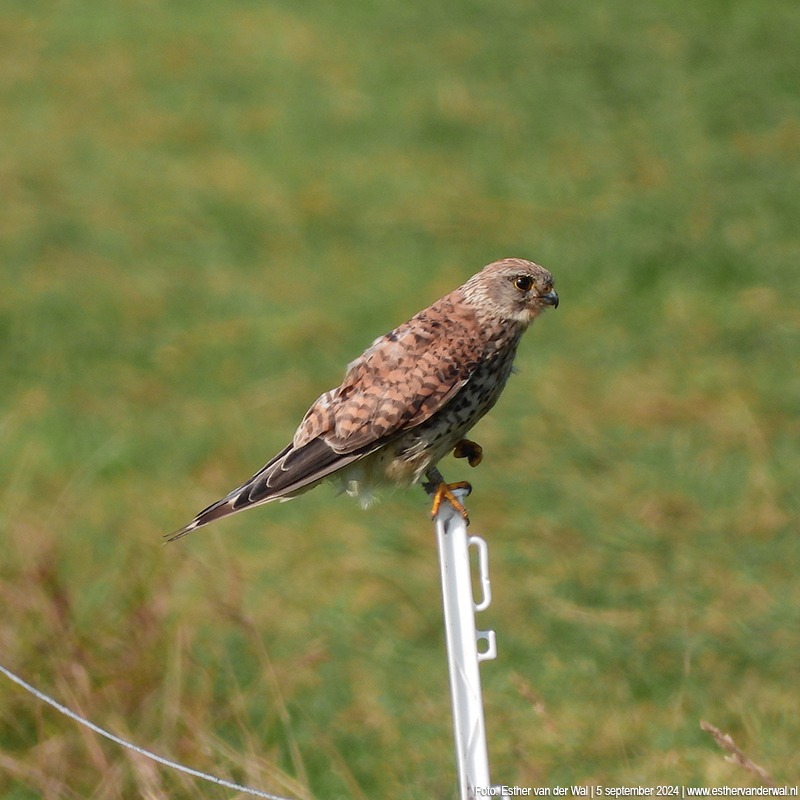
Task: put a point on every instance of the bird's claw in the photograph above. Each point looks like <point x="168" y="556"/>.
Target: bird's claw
<point x="444" y="491"/>
<point x="470" y="450"/>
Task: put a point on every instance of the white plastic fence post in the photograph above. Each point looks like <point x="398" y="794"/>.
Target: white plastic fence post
<point x="463" y="656"/>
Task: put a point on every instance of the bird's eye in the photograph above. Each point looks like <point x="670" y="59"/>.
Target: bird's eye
<point x="523" y="283"/>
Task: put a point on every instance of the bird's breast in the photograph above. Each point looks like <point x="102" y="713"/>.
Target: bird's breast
<point x="422" y="447"/>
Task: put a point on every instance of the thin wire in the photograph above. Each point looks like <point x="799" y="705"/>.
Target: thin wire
<point x="166" y="762"/>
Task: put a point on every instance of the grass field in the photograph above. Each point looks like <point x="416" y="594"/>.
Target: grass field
<point x="209" y="208"/>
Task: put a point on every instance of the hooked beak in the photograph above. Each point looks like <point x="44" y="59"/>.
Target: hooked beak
<point x="551" y="298"/>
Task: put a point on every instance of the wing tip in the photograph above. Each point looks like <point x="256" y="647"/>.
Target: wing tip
<point x="214" y="512"/>
<point x="180" y="533"/>
<point x="292" y="471"/>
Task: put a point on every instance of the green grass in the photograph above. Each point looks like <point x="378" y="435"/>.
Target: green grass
<point x="210" y="208"/>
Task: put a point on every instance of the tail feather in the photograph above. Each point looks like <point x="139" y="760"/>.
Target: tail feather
<point x="290" y="472"/>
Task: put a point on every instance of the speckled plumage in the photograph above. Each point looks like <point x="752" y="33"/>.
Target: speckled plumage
<point x="410" y="398"/>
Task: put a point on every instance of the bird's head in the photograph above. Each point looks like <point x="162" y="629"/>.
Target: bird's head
<point x="513" y="289"/>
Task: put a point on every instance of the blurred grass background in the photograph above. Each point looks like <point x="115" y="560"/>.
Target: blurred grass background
<point x="209" y="208"/>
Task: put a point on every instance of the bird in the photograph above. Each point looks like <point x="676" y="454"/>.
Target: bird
<point x="408" y="400"/>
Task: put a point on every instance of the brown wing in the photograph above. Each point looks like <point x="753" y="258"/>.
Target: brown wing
<point x="403" y="379"/>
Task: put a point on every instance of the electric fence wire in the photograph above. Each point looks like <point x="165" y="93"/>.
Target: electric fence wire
<point x="128" y="745"/>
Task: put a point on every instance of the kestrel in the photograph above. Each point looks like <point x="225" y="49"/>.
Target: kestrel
<point x="409" y="399"/>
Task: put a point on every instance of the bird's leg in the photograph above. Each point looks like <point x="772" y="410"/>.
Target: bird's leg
<point x="439" y="490"/>
<point x="472" y="451"/>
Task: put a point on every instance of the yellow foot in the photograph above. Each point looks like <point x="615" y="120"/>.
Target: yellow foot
<point x="472" y="451"/>
<point x="444" y="491"/>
